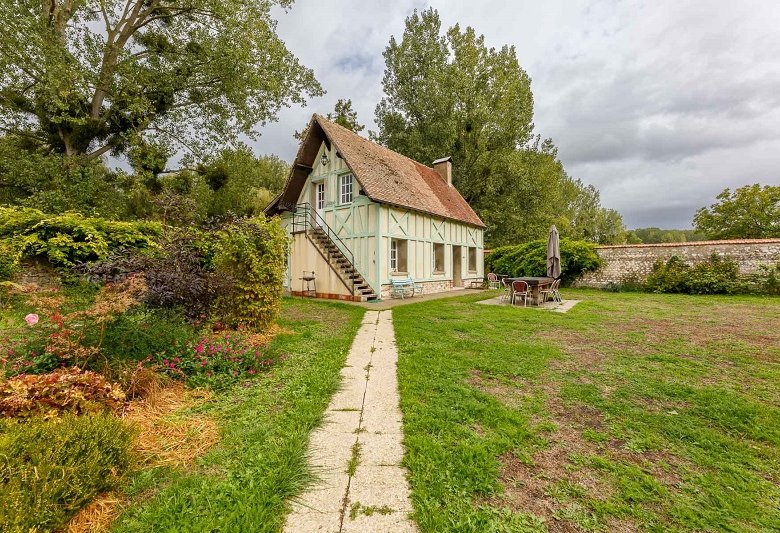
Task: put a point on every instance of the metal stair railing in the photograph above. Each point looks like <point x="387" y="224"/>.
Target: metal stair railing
<point x="307" y="219"/>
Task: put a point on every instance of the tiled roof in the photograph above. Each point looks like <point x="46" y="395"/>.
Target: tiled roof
<point x="385" y="176"/>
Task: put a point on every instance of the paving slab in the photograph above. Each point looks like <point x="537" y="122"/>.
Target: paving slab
<point x="374" y="498"/>
<point x="556" y="307"/>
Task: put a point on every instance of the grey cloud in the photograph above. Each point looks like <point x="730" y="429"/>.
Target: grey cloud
<point x="659" y="104"/>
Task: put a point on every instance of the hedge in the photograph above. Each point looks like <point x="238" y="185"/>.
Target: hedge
<point x="530" y="259"/>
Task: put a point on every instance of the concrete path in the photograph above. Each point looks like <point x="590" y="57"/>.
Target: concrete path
<point x="357" y="452"/>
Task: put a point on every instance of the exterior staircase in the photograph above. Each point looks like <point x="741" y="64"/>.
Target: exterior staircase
<point x="342" y="265"/>
<point x="340" y="258"/>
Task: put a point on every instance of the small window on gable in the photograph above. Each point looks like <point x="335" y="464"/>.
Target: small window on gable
<point x="472" y="259"/>
<point x="345" y="187"/>
<point x="438" y="258"/>
<point x="398" y="248"/>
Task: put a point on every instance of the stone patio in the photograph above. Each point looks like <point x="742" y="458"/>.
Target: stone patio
<point x="556" y="307"/>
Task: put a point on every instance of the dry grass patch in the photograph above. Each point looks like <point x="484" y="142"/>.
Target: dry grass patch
<point x="167" y="435"/>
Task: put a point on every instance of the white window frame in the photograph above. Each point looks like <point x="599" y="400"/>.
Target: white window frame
<point x="346" y="188"/>
<point x="393" y="255"/>
<point x="320" y="195"/>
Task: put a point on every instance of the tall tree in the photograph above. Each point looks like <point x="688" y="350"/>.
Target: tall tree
<point x="89" y="77"/>
<point x="344" y="115"/>
<point x="449" y="94"/>
<point x="749" y="212"/>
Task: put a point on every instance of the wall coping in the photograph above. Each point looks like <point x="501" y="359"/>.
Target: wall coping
<point x="690" y="243"/>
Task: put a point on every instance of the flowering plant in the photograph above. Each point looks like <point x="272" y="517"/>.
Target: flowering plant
<point x="215" y="359"/>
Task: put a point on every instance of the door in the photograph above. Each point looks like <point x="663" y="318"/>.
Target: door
<point x="318" y="201"/>
<point x="457" y="265"/>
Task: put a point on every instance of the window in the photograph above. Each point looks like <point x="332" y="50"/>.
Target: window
<point x="472" y="259"/>
<point x="345" y="182"/>
<point x="438" y="257"/>
<point x="320" y="196"/>
<point x="398" y="255"/>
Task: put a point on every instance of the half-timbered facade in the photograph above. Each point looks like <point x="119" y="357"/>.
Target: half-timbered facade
<point x="360" y="215"/>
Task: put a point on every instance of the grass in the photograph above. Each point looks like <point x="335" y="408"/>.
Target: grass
<point x="630" y="412"/>
<point x="245" y="483"/>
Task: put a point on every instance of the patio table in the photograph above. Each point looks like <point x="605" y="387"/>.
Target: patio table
<point x="534" y="284"/>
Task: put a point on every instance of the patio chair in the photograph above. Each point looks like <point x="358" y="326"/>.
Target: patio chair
<point x="555" y="292"/>
<point x="520" y="288"/>
<point x="507" y="294"/>
<point x="550" y="291"/>
<point x="493" y="282"/>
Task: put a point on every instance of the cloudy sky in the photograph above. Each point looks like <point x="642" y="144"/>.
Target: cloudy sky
<point x="660" y="104"/>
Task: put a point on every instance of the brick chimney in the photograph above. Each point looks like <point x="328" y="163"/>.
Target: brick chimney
<point x="443" y="167"/>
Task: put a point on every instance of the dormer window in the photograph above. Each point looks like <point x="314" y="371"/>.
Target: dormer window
<point x="346" y="187"/>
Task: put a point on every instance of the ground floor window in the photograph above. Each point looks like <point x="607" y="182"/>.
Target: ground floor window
<point x="438" y="258"/>
<point x="472" y="259"/>
<point x="398" y="248"/>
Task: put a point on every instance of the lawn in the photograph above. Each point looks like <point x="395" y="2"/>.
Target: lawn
<point x="244" y="484"/>
<point x="630" y="412"/>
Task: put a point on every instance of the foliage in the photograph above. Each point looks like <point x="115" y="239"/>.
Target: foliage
<point x="530" y="259"/>
<point x="55" y="183"/>
<point x="344" y="115"/>
<point x="73" y="337"/>
<point x="143" y="331"/>
<point x="67" y="390"/>
<point x="237" y="182"/>
<point x="716" y="275"/>
<point x="8" y="263"/>
<point x="179" y="276"/>
<point x="49" y="469"/>
<point x="450" y="94"/>
<point x="98" y="77"/>
<point x="215" y="360"/>
<point x="658" y="235"/>
<point x="246" y="482"/>
<point x="66" y="239"/>
<point x="251" y="253"/>
<point x="749" y="212"/>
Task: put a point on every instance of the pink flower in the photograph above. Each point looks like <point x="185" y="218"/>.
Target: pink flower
<point x="31" y="319"/>
<point x="199" y="348"/>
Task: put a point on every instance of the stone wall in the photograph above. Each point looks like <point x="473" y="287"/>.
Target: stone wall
<point x="633" y="262"/>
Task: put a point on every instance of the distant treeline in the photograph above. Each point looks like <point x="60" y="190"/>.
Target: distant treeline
<point x="658" y="235"/>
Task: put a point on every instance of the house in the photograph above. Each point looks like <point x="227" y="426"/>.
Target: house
<point x="360" y="215"/>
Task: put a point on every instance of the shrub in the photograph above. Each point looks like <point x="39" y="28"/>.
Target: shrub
<point x="67" y="390"/>
<point x="669" y="276"/>
<point x="250" y="254"/>
<point x="216" y="360"/>
<point x="67" y="239"/>
<point x="144" y="331"/>
<point x="530" y="259"/>
<point x="717" y="275"/>
<point x="49" y="469"/>
<point x="181" y="275"/>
